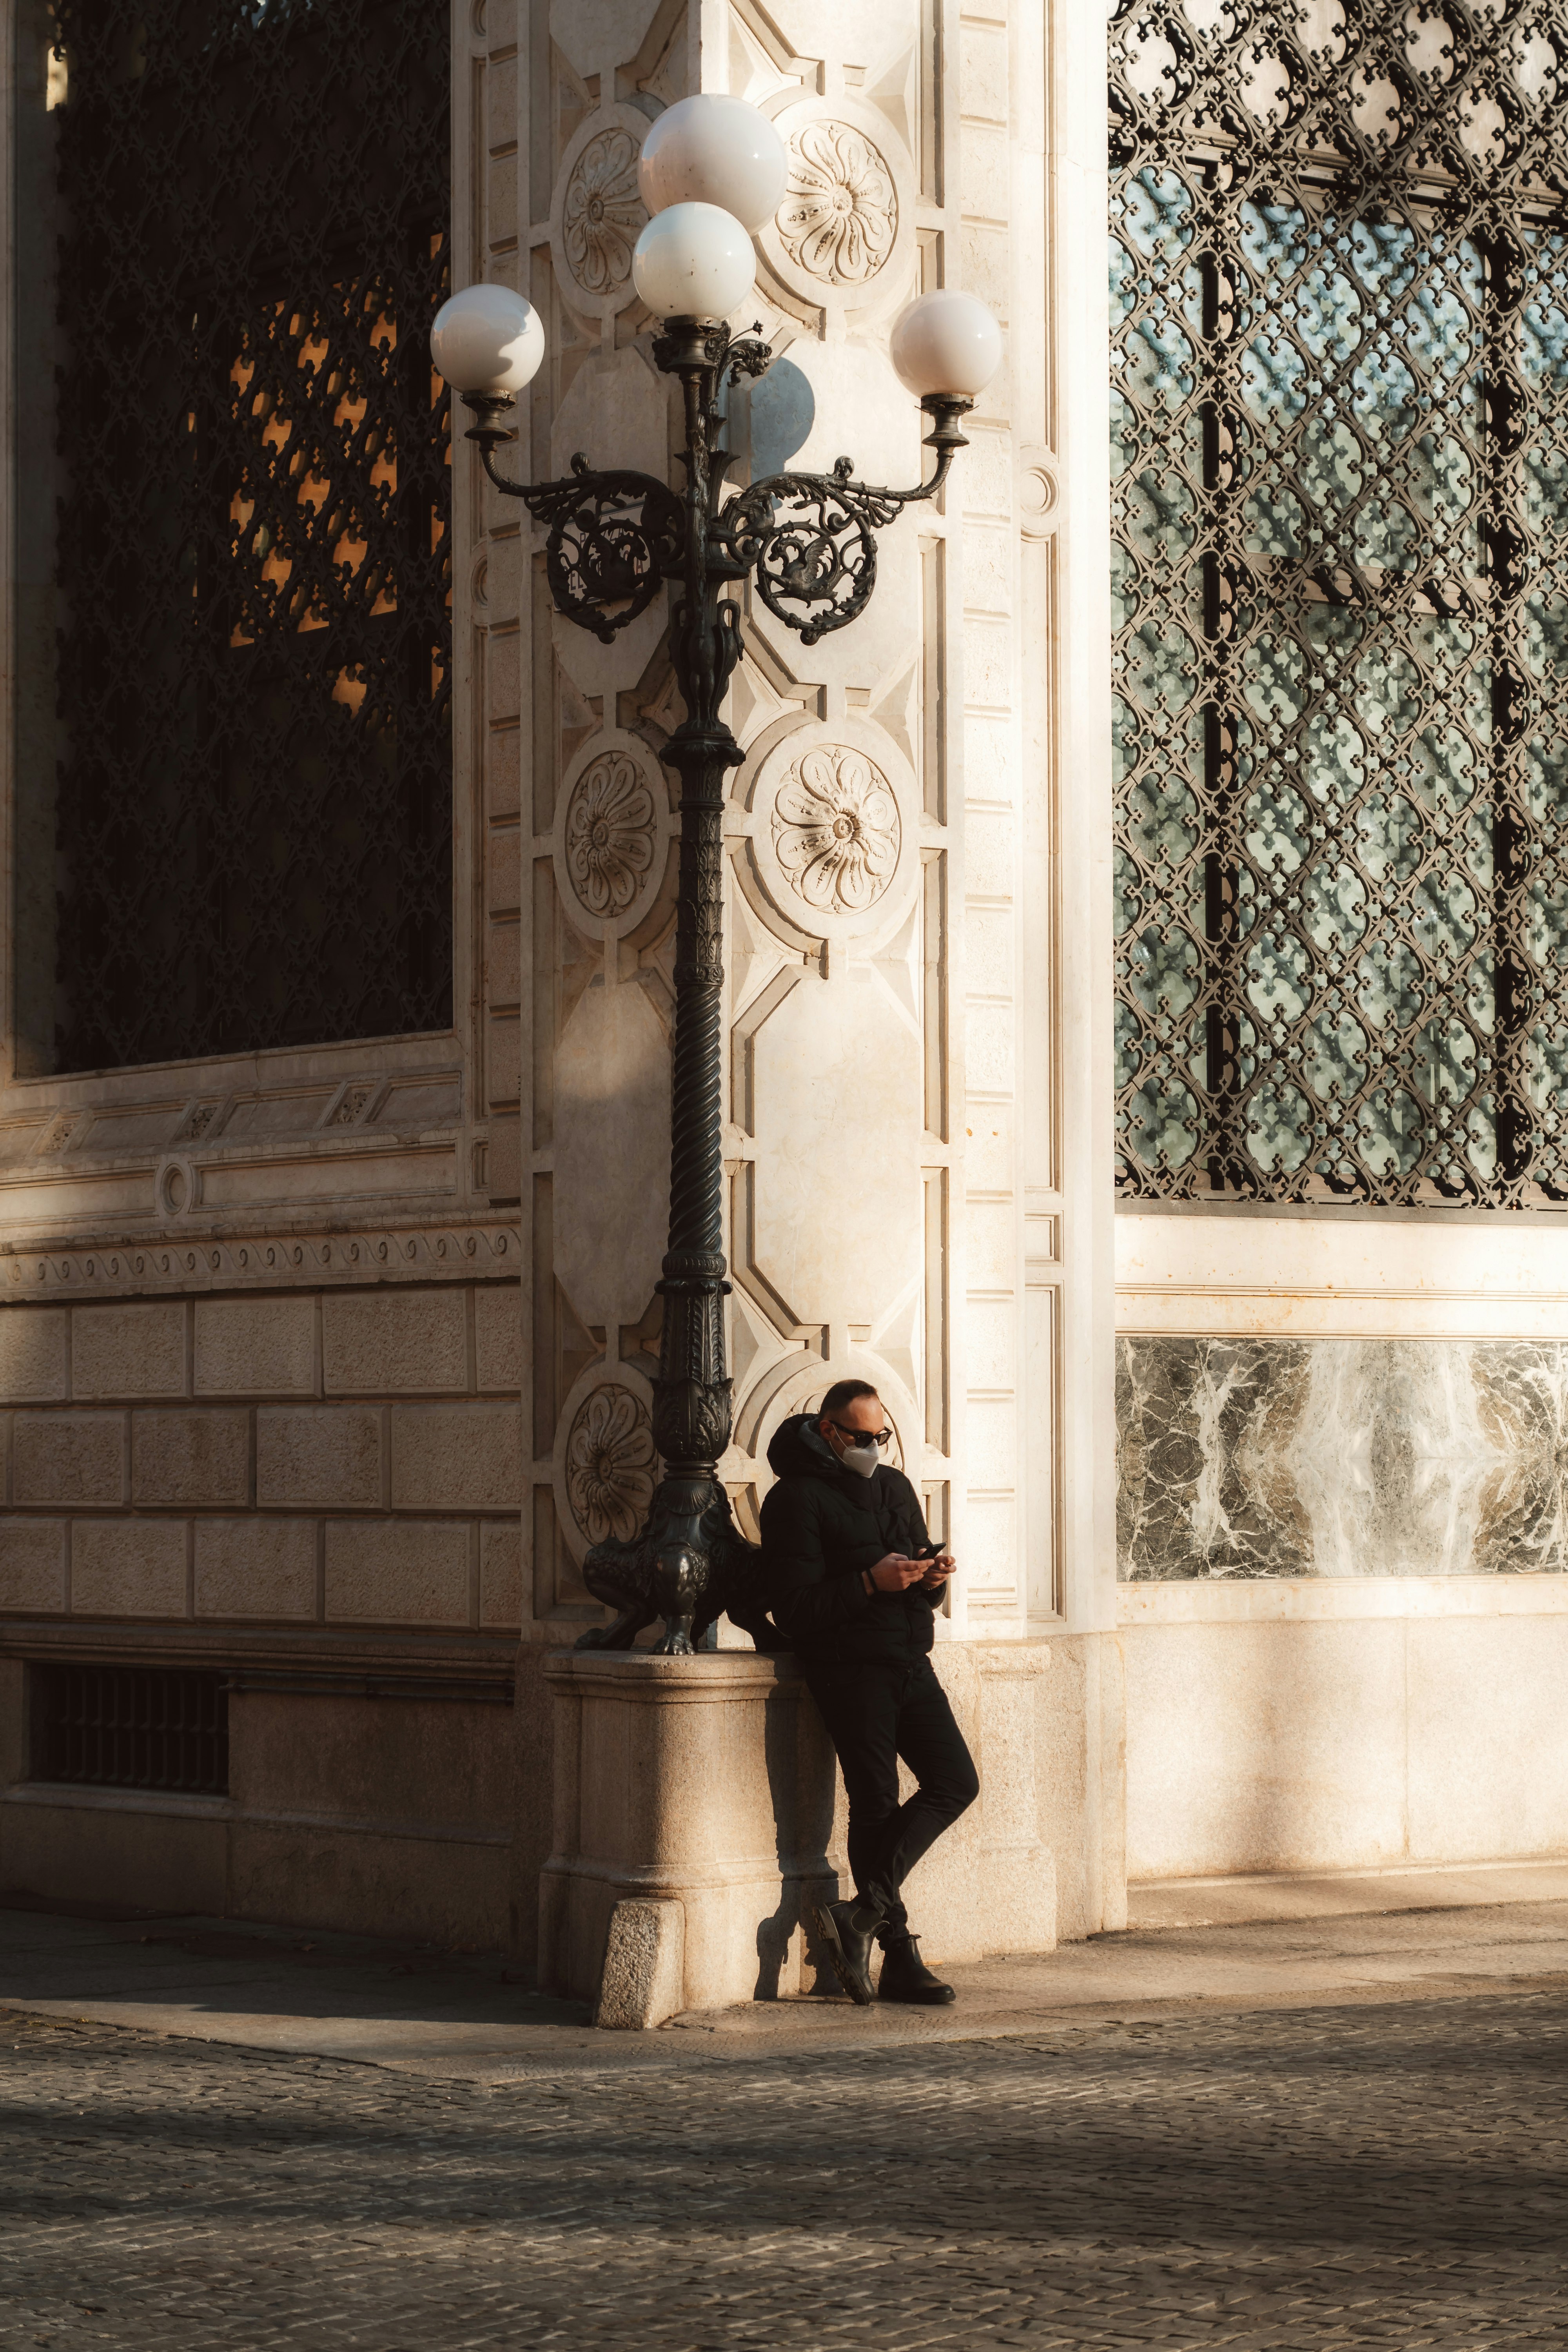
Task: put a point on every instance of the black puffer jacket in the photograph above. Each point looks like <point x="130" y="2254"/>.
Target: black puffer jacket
<point x="822" y="1527"/>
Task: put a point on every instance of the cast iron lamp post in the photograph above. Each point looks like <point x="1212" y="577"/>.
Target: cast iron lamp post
<point x="712" y="169"/>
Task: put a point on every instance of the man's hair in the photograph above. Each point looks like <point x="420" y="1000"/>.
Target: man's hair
<point x="845" y="1393"/>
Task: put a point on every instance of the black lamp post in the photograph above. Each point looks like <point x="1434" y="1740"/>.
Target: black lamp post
<point x="808" y="541"/>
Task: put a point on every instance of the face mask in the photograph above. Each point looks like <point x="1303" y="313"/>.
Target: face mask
<point x="861" y="1458"/>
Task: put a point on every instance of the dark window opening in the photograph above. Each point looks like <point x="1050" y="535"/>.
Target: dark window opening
<point x="233" y="719"/>
<point x="130" y="1727"/>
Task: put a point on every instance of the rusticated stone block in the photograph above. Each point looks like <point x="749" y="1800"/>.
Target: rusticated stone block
<point x="255" y="1346"/>
<point x="500" y="1574"/>
<point x="128" y="1567"/>
<point x="498" y="1336"/>
<point x="328" y="1454"/>
<point x="70" y="1457"/>
<point x="457" y="1457"/>
<point x="645" y="1962"/>
<point x="256" y="1567"/>
<point x="33" y="1360"/>
<point x="397" y="1572"/>
<point x="130" y="1351"/>
<point x="33" y="1565"/>
<point x="190" y="1457"/>
<point x="384" y="1341"/>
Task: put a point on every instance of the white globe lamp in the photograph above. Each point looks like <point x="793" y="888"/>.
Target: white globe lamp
<point x="711" y="150"/>
<point x="946" y="344"/>
<point x="488" y="340"/>
<point x="693" y="261"/>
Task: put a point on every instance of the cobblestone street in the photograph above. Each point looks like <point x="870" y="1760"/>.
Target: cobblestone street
<point x="1389" y="2175"/>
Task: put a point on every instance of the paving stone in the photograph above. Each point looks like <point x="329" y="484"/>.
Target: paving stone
<point x="1385" y="2177"/>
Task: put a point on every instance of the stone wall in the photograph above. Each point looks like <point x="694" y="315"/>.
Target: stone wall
<point x="342" y="1457"/>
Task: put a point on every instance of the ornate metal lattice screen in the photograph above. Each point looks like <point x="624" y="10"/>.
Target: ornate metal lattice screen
<point x="1339" y="303"/>
<point x="253" y="762"/>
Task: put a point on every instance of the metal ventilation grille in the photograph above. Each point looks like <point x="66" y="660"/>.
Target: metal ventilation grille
<point x="130" y="1727"/>
<point x="1340" y="274"/>
<point x="254" y="805"/>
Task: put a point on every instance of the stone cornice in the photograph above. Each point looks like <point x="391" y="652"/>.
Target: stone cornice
<point x="467" y="1250"/>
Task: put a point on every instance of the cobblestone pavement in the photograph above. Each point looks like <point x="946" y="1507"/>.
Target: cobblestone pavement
<point x="1389" y="2176"/>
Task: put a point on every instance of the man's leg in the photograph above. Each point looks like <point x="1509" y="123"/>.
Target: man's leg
<point x="930" y="1743"/>
<point x="858" y="1702"/>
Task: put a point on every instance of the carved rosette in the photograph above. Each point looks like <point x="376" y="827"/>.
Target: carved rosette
<point x="610" y="1465"/>
<point x="602" y="216"/>
<point x="839" y="218"/>
<point x="842" y="240"/>
<point x="836" y="830"/>
<point x="612" y="832"/>
<point x="833" y="849"/>
<point x="614" y="826"/>
<point x="596" y="215"/>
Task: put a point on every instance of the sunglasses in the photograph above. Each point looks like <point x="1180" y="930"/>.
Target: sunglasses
<point x="863" y="1436"/>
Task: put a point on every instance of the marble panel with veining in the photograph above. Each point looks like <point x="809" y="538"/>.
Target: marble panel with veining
<point x="1267" y="1457"/>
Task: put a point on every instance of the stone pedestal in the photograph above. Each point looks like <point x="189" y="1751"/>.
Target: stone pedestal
<point x="698" y="1806"/>
<point x="705" y="1782"/>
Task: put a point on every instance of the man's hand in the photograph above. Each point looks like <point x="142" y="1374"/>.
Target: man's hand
<point x="937" y="1571"/>
<point x="894" y="1573"/>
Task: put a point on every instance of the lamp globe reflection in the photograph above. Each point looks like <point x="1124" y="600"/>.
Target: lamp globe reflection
<point x="693" y="261"/>
<point x="711" y="150"/>
<point x="945" y="342"/>
<point x="488" y="340"/>
<point x="802" y="549"/>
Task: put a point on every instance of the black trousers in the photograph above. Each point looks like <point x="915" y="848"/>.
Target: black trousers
<point x="877" y="1710"/>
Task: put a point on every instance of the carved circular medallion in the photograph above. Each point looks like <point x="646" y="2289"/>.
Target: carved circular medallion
<point x="610" y="1465"/>
<point x="596" y="215"/>
<point x="843" y="239"/>
<point x="833" y="832"/>
<point x="836" y="830"/>
<point x="602" y="216"/>
<point x="612" y="832"/>
<point x="839" y="218"/>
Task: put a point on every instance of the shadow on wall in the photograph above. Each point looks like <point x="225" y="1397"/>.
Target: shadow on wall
<point x="801" y="1784"/>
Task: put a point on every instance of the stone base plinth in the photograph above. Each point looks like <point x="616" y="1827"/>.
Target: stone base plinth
<point x="707" y="1781"/>
<point x="710" y="1783"/>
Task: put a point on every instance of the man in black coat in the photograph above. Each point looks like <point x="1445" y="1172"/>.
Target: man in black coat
<point x="852" y="1578"/>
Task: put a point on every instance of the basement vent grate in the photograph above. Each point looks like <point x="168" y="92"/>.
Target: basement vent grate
<point x="130" y="1727"/>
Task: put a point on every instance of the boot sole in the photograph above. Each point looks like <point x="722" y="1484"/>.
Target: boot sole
<point x="826" y="1926"/>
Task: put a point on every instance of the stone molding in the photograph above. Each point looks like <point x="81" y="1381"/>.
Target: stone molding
<point x="467" y="1252"/>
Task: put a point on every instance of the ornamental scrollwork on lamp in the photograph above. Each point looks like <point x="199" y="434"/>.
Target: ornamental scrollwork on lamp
<point x="611" y="834"/>
<point x="837" y="830"/>
<point x="614" y="538"/>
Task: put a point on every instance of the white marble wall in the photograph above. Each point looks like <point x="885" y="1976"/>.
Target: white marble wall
<point x="1271" y="1457"/>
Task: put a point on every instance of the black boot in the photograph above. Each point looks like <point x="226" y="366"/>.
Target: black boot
<point x="847" y="1929"/>
<point x="905" y="1976"/>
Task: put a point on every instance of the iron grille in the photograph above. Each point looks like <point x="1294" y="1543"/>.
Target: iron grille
<point x="130" y="1727"/>
<point x="1340" y="301"/>
<point x="254" y="796"/>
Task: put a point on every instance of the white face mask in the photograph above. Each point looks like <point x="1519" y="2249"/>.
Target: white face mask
<point x="861" y="1458"/>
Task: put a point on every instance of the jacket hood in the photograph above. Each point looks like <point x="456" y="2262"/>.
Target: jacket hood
<point x="789" y="1456"/>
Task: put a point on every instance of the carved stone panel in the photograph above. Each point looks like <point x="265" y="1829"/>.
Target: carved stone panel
<point x="604" y="1465"/>
<point x="597" y="214"/>
<point x="834" y="832"/>
<point x="612" y="1154"/>
<point x="614" y="826"/>
<point x="843" y="237"/>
